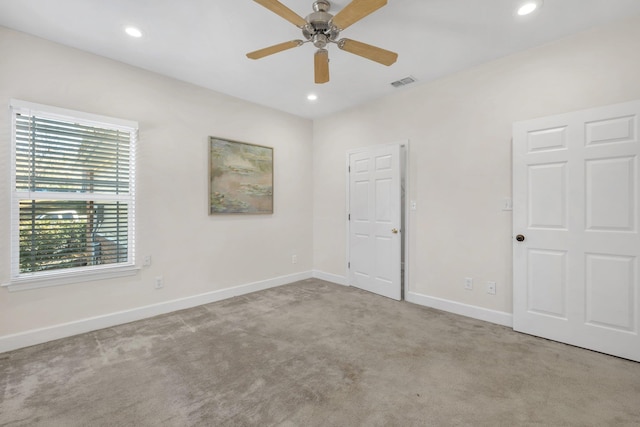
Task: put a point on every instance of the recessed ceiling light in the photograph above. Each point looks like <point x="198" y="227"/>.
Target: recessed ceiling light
<point x="133" y="32"/>
<point x="312" y="97"/>
<point x="528" y="8"/>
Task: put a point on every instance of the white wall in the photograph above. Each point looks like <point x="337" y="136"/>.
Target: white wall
<point x="459" y="129"/>
<point x="195" y="253"/>
<point x="460" y="167"/>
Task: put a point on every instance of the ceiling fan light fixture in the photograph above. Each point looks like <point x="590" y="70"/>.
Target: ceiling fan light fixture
<point x="319" y="40"/>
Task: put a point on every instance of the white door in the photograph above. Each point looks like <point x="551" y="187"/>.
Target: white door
<point x="375" y="220"/>
<point x="576" y="195"/>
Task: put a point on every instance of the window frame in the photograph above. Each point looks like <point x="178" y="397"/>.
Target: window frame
<point x="33" y="280"/>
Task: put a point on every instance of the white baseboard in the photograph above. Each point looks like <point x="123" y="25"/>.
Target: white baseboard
<point x="493" y="316"/>
<point x="329" y="277"/>
<point x="50" y="333"/>
<point x="42" y="335"/>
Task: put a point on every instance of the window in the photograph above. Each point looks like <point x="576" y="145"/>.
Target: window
<point x="73" y="195"/>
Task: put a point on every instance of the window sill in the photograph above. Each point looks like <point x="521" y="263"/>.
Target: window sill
<point x="66" y="278"/>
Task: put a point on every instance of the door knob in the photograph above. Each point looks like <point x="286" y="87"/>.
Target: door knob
<point x="520" y="238"/>
<point x="394" y="230"/>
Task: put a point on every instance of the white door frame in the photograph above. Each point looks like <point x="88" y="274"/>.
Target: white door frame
<point x="405" y="227"/>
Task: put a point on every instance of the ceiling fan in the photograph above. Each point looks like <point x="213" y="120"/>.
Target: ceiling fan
<point x="321" y="28"/>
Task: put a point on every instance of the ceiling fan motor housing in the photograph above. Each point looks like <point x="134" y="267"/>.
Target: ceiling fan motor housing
<point x="319" y="29"/>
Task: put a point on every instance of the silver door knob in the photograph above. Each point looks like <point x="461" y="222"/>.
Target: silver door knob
<point x="394" y="230"/>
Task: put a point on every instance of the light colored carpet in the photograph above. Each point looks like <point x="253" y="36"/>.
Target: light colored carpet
<point x="314" y="354"/>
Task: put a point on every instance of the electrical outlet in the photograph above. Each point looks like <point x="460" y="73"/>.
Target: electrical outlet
<point x="294" y="259"/>
<point x="468" y="283"/>
<point x="491" y="288"/>
<point x="159" y="283"/>
<point x="147" y="261"/>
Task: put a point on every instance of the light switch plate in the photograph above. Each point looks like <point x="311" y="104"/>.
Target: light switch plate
<point x="491" y="288"/>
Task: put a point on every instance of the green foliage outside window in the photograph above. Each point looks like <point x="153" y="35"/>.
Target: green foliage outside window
<point x="52" y="244"/>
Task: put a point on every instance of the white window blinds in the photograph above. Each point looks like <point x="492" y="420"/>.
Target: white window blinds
<point x="73" y="204"/>
<point x="63" y="156"/>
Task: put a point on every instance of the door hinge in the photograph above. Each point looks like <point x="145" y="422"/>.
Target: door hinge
<point x="349" y="217"/>
<point x="349" y="169"/>
<point x="348" y="265"/>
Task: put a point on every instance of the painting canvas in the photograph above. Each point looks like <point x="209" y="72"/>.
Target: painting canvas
<point x="240" y="178"/>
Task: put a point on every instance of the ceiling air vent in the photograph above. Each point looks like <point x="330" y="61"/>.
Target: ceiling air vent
<point x="403" y="82"/>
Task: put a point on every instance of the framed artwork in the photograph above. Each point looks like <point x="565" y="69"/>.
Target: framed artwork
<point x="240" y="177"/>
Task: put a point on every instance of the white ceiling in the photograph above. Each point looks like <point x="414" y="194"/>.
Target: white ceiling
<point x="205" y="41"/>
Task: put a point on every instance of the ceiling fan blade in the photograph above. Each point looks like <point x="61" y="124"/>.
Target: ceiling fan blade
<point x="355" y="11"/>
<point x="377" y="54"/>
<point x="279" y="9"/>
<point x="321" y="65"/>
<point x="274" y="49"/>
